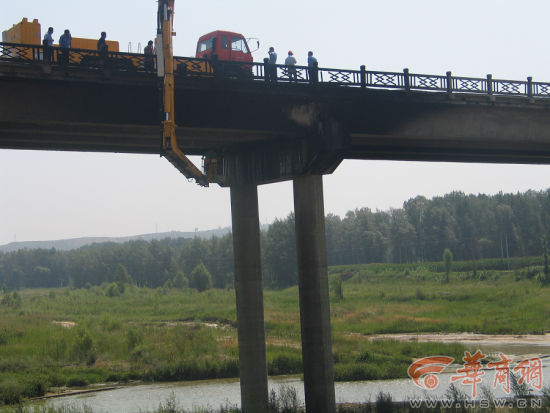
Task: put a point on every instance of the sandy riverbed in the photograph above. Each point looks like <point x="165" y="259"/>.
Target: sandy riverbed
<point x="468" y="338"/>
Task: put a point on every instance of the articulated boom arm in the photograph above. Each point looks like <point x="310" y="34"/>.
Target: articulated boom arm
<point x="165" y="68"/>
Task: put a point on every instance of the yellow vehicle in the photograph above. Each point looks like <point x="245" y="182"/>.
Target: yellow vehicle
<point x="26" y="32"/>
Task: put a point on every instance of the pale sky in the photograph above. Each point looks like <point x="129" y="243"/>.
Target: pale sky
<point x="57" y="195"/>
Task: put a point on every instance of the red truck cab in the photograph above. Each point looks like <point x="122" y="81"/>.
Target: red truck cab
<point x="225" y="46"/>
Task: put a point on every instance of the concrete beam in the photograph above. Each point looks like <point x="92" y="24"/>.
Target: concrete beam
<point x="249" y="292"/>
<point x="314" y="294"/>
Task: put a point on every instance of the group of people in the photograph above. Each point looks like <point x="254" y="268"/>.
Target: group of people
<point x="149" y="51"/>
<point x="65" y="44"/>
<point x="290" y="63"/>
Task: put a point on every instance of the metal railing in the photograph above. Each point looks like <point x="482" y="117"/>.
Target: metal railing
<point x="273" y="74"/>
<point x="75" y="58"/>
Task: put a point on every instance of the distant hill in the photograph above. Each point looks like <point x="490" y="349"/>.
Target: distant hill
<point x="69" y="244"/>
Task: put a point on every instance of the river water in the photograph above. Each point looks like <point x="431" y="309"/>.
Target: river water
<point x="215" y="393"/>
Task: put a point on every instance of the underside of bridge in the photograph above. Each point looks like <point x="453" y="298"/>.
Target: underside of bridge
<point x="261" y="133"/>
<point x="282" y="130"/>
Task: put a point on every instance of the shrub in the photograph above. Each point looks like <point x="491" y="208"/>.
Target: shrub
<point x="12" y="300"/>
<point x="96" y="290"/>
<point x="121" y="277"/>
<point x="82" y="346"/>
<point x="76" y="381"/>
<point x="448" y="262"/>
<point x="200" y="278"/>
<point x="285" y="400"/>
<point x="420" y="295"/>
<point x="112" y="290"/>
<point x="337" y="288"/>
<point x="34" y="387"/>
<point x="519" y="390"/>
<point x="11" y="391"/>
<point x="133" y="338"/>
<point x="285" y="364"/>
<point x="180" y="280"/>
<point x="384" y="403"/>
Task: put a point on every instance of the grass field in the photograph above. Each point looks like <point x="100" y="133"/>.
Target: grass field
<point x="56" y="338"/>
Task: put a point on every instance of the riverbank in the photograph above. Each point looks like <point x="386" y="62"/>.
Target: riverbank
<point x="71" y="338"/>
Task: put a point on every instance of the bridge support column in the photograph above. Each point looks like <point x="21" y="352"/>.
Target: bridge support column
<point x="314" y="294"/>
<point x="248" y="289"/>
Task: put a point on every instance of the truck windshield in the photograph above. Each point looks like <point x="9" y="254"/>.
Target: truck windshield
<point x="205" y="45"/>
<point x="238" y="44"/>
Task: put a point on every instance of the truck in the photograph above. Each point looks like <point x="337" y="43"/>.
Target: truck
<point x="224" y="45"/>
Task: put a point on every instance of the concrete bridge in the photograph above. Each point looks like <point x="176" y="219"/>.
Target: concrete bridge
<point x="268" y="130"/>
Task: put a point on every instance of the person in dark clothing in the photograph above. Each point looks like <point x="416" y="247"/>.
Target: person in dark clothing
<point x="149" y="52"/>
<point x="102" y="48"/>
<point x="48" y="46"/>
<point x="272" y="68"/>
<point x="313" y="68"/>
<point x="65" y="44"/>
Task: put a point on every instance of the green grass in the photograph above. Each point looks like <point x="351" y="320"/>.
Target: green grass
<point x="159" y="335"/>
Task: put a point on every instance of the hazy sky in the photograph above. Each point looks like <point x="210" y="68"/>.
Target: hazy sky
<point x="56" y="195"/>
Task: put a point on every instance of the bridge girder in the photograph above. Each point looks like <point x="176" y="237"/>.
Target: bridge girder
<point x="280" y="131"/>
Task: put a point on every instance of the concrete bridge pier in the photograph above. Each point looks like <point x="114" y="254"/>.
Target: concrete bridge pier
<point x="314" y="294"/>
<point x="248" y="289"/>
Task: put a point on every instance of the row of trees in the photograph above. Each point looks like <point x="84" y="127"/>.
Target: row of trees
<point x="471" y="226"/>
<point x="146" y="264"/>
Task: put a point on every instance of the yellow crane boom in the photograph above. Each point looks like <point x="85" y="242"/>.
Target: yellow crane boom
<point x="165" y="69"/>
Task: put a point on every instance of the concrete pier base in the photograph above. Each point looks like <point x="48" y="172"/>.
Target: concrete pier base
<point x="248" y="289"/>
<point x="314" y="294"/>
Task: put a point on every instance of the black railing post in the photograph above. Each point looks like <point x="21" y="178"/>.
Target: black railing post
<point x="406" y="79"/>
<point x="489" y="84"/>
<point x="363" y="76"/>
<point x="449" y="82"/>
<point x="266" y="69"/>
<point x="530" y="87"/>
<point x="318" y="73"/>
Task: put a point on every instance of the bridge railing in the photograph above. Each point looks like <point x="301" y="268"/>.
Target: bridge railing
<point x="213" y="68"/>
<point x="75" y="58"/>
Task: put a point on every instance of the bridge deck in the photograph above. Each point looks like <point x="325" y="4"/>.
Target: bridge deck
<point x="305" y="127"/>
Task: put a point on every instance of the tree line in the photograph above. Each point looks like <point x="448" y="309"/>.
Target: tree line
<point x="471" y="226"/>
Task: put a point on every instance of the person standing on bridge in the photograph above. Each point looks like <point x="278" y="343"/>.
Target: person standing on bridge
<point x="271" y="67"/>
<point x="65" y="44"/>
<point x="149" y="51"/>
<point x="102" y="48"/>
<point x="313" y="68"/>
<point x="48" y="46"/>
<point x="290" y="63"/>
